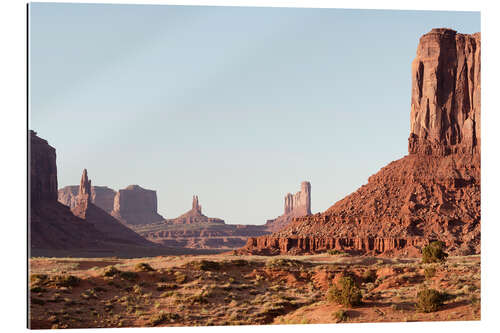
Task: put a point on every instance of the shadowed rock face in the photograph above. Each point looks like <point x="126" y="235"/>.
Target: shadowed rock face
<point x="102" y="196"/>
<point x="431" y="194"/>
<point x="136" y="205"/>
<point x="298" y="204"/>
<point x="43" y="170"/>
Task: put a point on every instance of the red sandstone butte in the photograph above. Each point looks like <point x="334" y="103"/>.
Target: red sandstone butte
<point x="135" y="205"/>
<point x="296" y="205"/>
<point x="431" y="194"/>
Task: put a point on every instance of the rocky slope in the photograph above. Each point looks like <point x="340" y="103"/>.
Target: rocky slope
<point x="101" y="196"/>
<point x="296" y="205"/>
<point x="431" y="194"/>
<point x="135" y="205"/>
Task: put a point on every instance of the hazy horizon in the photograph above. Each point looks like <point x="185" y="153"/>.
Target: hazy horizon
<point x="237" y="105"/>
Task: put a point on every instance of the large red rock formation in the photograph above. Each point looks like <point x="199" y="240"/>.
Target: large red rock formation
<point x="446" y="94"/>
<point x="102" y="196"/>
<point x="296" y="205"/>
<point x="431" y="194"/>
<point x="135" y="205"/>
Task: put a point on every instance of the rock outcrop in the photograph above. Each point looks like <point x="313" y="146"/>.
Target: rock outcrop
<point x="194" y="216"/>
<point x="296" y="205"/>
<point x="431" y="194"/>
<point x="102" y="196"/>
<point x="135" y="205"/>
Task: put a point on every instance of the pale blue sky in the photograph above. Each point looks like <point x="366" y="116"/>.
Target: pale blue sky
<point x="237" y="105"/>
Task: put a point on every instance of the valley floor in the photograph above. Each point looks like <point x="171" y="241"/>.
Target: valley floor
<point x="226" y="289"/>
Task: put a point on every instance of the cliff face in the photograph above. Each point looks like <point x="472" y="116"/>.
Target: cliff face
<point x="431" y="194"/>
<point x="446" y="94"/>
<point x="298" y="204"/>
<point x="43" y="170"/>
<point x="136" y="205"/>
<point x="102" y="196"/>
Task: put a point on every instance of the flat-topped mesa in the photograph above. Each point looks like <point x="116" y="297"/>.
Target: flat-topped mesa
<point x="43" y="170"/>
<point x="296" y="205"/>
<point x="446" y="94"/>
<point x="136" y="205"/>
<point x="194" y="216"/>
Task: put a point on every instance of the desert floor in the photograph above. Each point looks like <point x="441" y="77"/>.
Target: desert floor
<point x="226" y="289"/>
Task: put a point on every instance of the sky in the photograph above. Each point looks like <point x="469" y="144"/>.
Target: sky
<point x="237" y="105"/>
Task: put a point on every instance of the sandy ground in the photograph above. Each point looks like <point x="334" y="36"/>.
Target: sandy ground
<point x="224" y="289"/>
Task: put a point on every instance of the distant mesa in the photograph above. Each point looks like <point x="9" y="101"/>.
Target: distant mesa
<point x="135" y="205"/>
<point x="296" y="205"/>
<point x="194" y="216"/>
<point x="101" y="196"/>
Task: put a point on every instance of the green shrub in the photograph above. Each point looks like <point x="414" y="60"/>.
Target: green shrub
<point x="66" y="280"/>
<point x="130" y="276"/>
<point x="334" y="252"/>
<point x="111" y="271"/>
<point x="37" y="301"/>
<point x="434" y="252"/>
<point x="35" y="278"/>
<point x="429" y="272"/>
<point x="144" y="267"/>
<point x="163" y="317"/>
<point x="429" y="300"/>
<point x="346" y="293"/>
<point x="180" y="277"/>
<point x="205" y="265"/>
<point x="37" y="289"/>
<point x="370" y="276"/>
<point x="340" y="315"/>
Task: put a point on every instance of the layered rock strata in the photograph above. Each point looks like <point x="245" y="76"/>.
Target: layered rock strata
<point x="135" y="205"/>
<point x="195" y="230"/>
<point x="431" y="194"/>
<point x="296" y="205"/>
